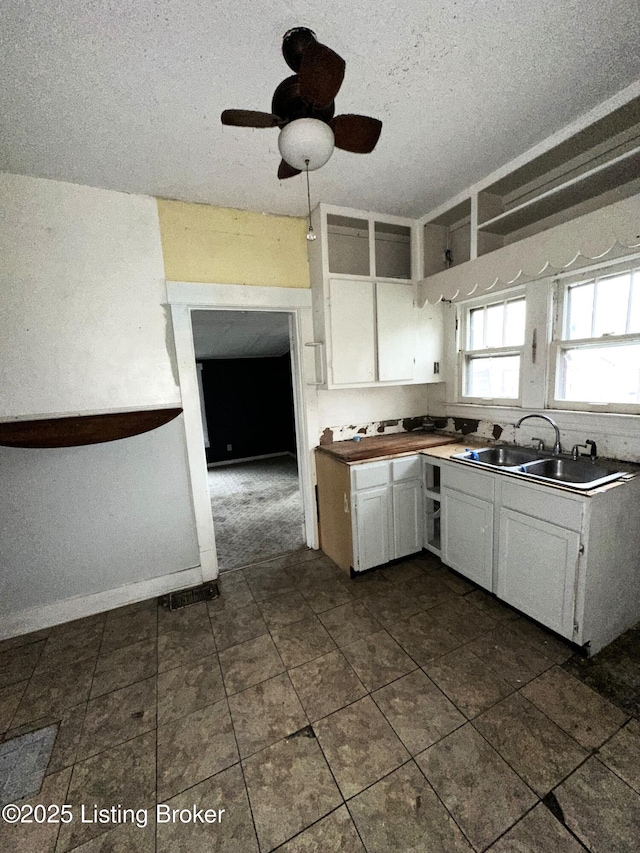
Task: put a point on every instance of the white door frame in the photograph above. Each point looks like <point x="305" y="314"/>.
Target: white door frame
<point x="185" y="297"/>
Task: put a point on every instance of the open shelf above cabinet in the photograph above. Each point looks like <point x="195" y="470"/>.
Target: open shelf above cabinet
<point x="366" y="247"/>
<point x="447" y="239"/>
<point x="584" y="168"/>
<point x="622" y="170"/>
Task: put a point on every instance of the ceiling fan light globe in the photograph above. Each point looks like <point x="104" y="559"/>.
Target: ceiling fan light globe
<point x="306" y="139"/>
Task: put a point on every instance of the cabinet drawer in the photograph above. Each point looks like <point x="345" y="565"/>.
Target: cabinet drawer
<point x="407" y="468"/>
<point x="465" y="480"/>
<point x="370" y="474"/>
<point x="545" y="504"/>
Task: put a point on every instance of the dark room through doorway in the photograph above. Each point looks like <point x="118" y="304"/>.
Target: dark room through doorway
<point x="243" y="360"/>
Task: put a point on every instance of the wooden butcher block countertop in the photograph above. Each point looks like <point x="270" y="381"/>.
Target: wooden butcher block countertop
<point x="382" y="446"/>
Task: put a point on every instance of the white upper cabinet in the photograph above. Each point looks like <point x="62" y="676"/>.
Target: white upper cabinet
<point x="368" y="330"/>
<point x="396" y="325"/>
<point x="351" y="320"/>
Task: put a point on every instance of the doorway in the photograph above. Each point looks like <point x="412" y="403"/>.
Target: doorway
<point x="184" y="298"/>
<point x="243" y="360"/>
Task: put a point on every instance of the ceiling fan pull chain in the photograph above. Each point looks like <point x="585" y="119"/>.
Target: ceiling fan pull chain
<point x="311" y="235"/>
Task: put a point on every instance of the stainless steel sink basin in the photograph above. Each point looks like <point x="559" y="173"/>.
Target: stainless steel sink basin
<point x="578" y="473"/>
<point x="561" y="470"/>
<point x="503" y="457"/>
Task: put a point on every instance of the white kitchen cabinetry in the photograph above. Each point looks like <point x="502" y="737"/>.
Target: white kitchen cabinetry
<point x="351" y="323"/>
<point x="368" y="330"/>
<point x="537" y="569"/>
<point x="371" y="512"/>
<point x="371" y="532"/>
<point x="467" y="543"/>
<point x="397" y="331"/>
<point x="387" y="511"/>
<point x="581" y="169"/>
<point x="406" y="502"/>
<point x="467" y="524"/>
<point x="565" y="559"/>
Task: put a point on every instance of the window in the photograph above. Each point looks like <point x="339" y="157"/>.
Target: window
<point x="493" y="340"/>
<point x="596" y="349"/>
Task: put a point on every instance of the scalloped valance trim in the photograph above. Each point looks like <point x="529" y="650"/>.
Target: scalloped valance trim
<point x="611" y="232"/>
<point x="620" y="252"/>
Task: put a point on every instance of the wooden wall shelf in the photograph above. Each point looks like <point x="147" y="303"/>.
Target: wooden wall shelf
<point x="79" y="430"/>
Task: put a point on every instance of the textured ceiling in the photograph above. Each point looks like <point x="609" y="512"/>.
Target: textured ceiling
<point x="240" y="334"/>
<point x="127" y="94"/>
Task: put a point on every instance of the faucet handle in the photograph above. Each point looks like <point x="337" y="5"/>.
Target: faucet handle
<point x="540" y="443"/>
<point x="574" y="451"/>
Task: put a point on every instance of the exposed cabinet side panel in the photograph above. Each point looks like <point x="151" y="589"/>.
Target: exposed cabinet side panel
<point x="396" y="330"/>
<point x="611" y="593"/>
<point x="468" y="536"/>
<point x="371" y="528"/>
<point x="334" y="508"/>
<point x="352" y="312"/>
<point x="537" y="564"/>
<point x="407" y="502"/>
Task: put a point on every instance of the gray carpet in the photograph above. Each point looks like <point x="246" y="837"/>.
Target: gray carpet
<point x="257" y="510"/>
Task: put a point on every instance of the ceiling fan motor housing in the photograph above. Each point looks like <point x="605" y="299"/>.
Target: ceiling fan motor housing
<point x="306" y="143"/>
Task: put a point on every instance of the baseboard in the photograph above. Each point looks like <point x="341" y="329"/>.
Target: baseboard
<point x="226" y="462"/>
<point x="76" y="608"/>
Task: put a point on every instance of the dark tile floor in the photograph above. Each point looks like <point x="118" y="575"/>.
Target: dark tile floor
<point x="404" y="710"/>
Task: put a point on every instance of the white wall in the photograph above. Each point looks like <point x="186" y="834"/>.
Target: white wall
<point x="77" y="521"/>
<point x="82" y="328"/>
<point x="82" y="325"/>
<point x="342" y="407"/>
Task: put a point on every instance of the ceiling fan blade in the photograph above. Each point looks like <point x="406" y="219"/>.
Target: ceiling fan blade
<point x="249" y="118"/>
<point x="286" y="171"/>
<point x="321" y="74"/>
<point x="358" y="134"/>
<point x="294" y="44"/>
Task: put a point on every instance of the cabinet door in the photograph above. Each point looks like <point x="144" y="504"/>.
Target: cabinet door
<point x="396" y="331"/>
<point x="371" y="528"/>
<point x="537" y="566"/>
<point x="351" y="323"/>
<point x="467" y="536"/>
<point x="407" y="502"/>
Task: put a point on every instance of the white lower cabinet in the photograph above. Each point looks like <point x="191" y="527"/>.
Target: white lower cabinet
<point x="387" y="503"/>
<point x="537" y="569"/>
<point x="521" y="541"/>
<point x="371" y="534"/>
<point x="407" y="502"/>
<point x="467" y="536"/>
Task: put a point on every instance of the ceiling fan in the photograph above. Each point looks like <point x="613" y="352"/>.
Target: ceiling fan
<point x="303" y="107"/>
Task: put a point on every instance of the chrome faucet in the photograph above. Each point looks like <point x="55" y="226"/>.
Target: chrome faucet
<point x="557" y="447"/>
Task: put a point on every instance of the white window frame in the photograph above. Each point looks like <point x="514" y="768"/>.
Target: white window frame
<point x="559" y="343"/>
<point x="462" y="321"/>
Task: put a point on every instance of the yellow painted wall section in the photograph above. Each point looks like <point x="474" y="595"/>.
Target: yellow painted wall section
<point x="226" y="246"/>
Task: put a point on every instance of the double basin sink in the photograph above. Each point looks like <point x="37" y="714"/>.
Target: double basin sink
<point x="561" y="470"/>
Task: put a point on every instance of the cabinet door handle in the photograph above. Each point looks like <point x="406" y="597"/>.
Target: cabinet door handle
<point x="346" y="503"/>
<point x="318" y="345"/>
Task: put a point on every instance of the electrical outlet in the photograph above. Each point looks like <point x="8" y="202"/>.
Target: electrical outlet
<point x="229" y="447"/>
<point x="436" y="367"/>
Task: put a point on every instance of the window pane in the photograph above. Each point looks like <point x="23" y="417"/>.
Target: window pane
<point x="497" y="377"/>
<point x="514" y="323"/>
<point x="634" y="313"/>
<point x="600" y="374"/>
<point x="579" y="310"/>
<point x="495" y="319"/>
<point x="476" y="328"/>
<point x="612" y="300"/>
